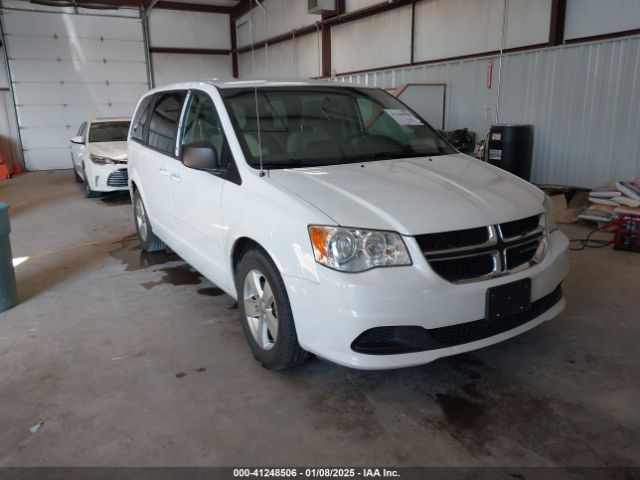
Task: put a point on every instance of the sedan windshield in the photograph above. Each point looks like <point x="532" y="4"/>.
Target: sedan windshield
<point x="312" y="126"/>
<point x="108" y="132"/>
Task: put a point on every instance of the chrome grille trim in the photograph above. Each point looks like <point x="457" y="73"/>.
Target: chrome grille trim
<point x="515" y="238"/>
<point x="492" y="241"/>
<point x="498" y="247"/>
<point x="118" y="178"/>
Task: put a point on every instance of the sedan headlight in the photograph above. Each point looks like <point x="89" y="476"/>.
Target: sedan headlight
<point x="100" y="160"/>
<point x="357" y="250"/>
<point x="550" y="215"/>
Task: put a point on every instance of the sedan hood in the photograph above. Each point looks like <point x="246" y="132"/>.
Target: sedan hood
<point x="415" y="195"/>
<point x="114" y="150"/>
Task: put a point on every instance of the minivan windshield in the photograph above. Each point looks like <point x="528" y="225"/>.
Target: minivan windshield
<point x="109" y="132"/>
<point x="313" y="126"/>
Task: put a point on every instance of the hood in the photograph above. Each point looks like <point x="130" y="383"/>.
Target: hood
<point x="114" y="150"/>
<point x="416" y="195"/>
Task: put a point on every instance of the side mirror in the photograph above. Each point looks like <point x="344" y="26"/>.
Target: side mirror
<point x="200" y="156"/>
<point x="78" y="139"/>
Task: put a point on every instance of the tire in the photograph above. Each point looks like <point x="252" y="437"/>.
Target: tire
<point x="149" y="242"/>
<point x="77" y="177"/>
<point x="87" y="188"/>
<point x="255" y="272"/>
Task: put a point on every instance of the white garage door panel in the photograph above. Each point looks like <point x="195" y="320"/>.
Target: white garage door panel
<point x="74" y="27"/>
<point x="49" y="158"/>
<point x="87" y="93"/>
<point x="49" y="115"/>
<point x="66" y="69"/>
<point x="33" y="48"/>
<point x="43" y="138"/>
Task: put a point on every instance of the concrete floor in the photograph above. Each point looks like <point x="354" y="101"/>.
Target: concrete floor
<point x="135" y="360"/>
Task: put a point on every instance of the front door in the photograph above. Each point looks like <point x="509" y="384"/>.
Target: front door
<point x="197" y="194"/>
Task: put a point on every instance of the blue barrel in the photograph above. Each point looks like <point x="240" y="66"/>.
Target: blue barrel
<point x="8" y="290"/>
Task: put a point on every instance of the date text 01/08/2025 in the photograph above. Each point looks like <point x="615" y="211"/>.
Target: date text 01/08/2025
<point x="315" y="473"/>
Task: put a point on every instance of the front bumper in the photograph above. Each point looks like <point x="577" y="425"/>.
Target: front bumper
<point x="108" y="178"/>
<point x="331" y="314"/>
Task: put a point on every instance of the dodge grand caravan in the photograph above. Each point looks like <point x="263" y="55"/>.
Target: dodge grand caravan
<point x="343" y="224"/>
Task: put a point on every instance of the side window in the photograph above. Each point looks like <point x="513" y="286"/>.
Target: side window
<point x="202" y="125"/>
<point x="163" y="125"/>
<point x="140" y="119"/>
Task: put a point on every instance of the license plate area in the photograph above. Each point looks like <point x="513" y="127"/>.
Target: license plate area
<point x="507" y="300"/>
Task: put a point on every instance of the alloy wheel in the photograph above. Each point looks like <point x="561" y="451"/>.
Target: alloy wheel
<point x="141" y="220"/>
<point x="260" y="309"/>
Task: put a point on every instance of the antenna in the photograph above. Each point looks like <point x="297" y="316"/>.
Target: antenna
<point x="255" y="95"/>
<point x="266" y="30"/>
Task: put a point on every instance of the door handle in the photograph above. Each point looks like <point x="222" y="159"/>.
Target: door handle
<point x="163" y="171"/>
<point x="176" y="177"/>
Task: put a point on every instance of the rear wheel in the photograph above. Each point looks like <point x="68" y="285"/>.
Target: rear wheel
<point x="267" y="319"/>
<point x="148" y="240"/>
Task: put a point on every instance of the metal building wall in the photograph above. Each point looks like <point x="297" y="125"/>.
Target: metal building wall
<point x="583" y="101"/>
<point x="188" y="30"/>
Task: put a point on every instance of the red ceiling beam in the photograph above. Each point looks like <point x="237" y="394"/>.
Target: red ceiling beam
<point x="115" y="3"/>
<point x="166" y="5"/>
<point x="242" y="7"/>
<point x="193" y="7"/>
<point x="298" y="32"/>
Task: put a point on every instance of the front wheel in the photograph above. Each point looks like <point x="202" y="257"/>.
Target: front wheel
<point x="267" y="319"/>
<point x="87" y="187"/>
<point x="148" y="240"/>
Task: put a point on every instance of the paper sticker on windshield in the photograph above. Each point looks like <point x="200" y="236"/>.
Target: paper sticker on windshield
<point x="403" y="117"/>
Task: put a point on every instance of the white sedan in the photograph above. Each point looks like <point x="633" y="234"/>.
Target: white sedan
<point x="99" y="155"/>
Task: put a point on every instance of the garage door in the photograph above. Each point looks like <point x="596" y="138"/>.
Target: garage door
<point x="67" y="68"/>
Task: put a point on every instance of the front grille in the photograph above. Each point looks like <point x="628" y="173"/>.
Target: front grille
<point x="409" y="338"/>
<point x="471" y="266"/>
<point x="519" y="228"/>
<point x="520" y="254"/>
<point x="478" y="253"/>
<point x="118" y="178"/>
<point x="454" y="239"/>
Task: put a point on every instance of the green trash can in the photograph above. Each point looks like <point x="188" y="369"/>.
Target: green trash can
<point x="8" y="290"/>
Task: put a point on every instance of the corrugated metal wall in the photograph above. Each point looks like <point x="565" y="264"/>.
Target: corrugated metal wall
<point x="583" y="100"/>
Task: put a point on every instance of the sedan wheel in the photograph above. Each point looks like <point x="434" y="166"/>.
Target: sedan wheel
<point x="260" y="309"/>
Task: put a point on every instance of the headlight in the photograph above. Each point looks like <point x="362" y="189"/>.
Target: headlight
<point x="550" y="214"/>
<point x="357" y="250"/>
<point x="100" y="160"/>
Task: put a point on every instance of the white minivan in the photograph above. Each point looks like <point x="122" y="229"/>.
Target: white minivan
<point x="343" y="224"/>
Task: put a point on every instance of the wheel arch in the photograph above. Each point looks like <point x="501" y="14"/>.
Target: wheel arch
<point x="240" y="246"/>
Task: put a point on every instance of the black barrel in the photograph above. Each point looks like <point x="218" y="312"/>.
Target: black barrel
<point x="510" y="148"/>
<point x="8" y="293"/>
